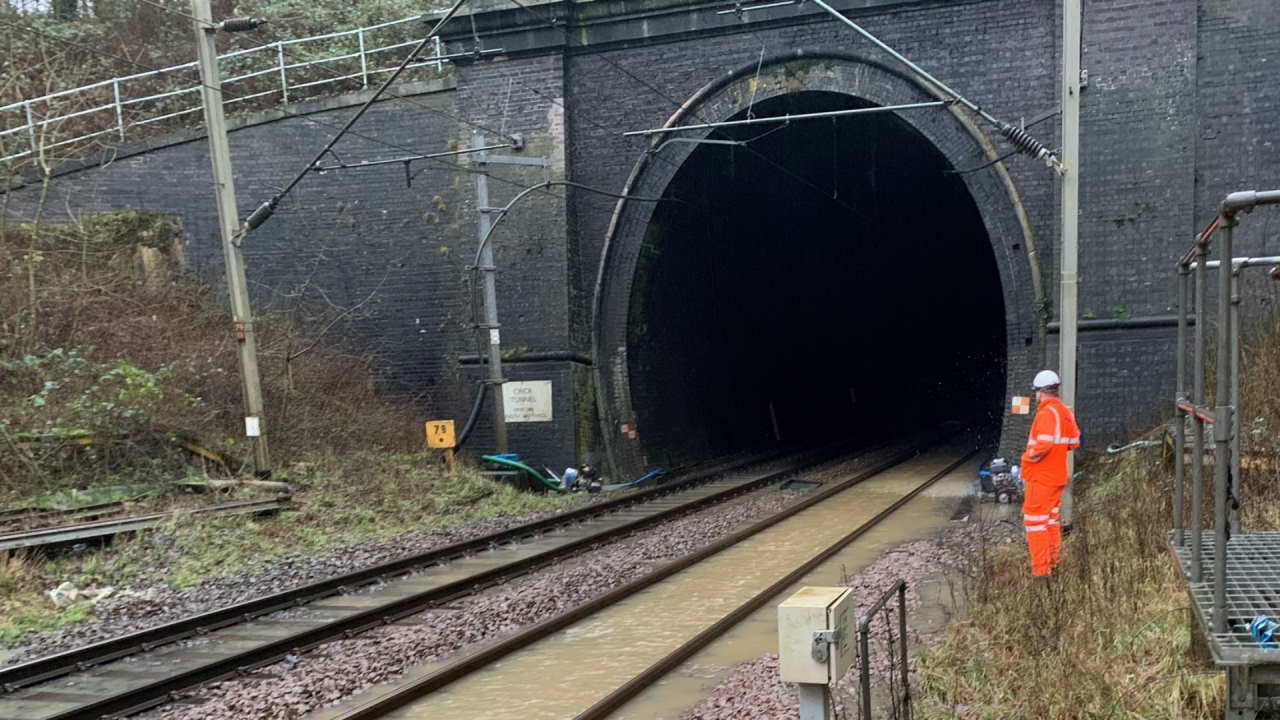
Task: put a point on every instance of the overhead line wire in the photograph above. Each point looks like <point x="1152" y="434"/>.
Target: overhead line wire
<point x="287" y="113"/>
<point x="552" y="22"/>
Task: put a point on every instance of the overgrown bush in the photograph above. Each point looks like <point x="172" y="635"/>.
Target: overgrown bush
<point x="107" y="369"/>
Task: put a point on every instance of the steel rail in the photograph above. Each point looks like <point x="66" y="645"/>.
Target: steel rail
<point x="66" y="534"/>
<point x="379" y="706"/>
<point x="672" y="660"/>
<point x="159" y="691"/>
<point x="29" y="515"/>
<point x="42" y="669"/>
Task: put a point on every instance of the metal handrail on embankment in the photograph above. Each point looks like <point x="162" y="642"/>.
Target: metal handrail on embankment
<point x="864" y="648"/>
<point x="123" y="105"/>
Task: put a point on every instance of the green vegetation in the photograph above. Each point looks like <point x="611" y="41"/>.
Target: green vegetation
<point x="1109" y="634"/>
<point x="112" y="359"/>
<point x="344" y="500"/>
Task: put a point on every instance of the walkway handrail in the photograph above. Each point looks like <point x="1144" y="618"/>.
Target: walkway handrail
<point x="1224" y="417"/>
<point x="123" y="104"/>
<point x="899" y="589"/>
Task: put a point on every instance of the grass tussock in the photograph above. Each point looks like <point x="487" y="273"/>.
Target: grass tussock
<point x="1108" y="636"/>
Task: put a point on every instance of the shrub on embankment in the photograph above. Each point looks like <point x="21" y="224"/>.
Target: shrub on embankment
<point x="105" y="340"/>
<point x="1109" y="634"/>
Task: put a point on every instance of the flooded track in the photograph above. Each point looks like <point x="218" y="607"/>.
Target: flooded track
<point x="227" y="641"/>
<point x="592" y="666"/>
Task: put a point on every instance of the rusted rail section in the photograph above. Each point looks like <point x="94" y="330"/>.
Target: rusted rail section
<point x="48" y="538"/>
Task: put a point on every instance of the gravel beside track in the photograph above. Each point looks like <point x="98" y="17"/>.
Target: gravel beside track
<point x="297" y="685"/>
<point x="138" y="608"/>
<point x="754" y="692"/>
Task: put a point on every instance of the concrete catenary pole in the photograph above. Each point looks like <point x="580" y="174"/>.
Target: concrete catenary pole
<point x="1071" y="22"/>
<point x="229" y="223"/>
<point x="490" y="298"/>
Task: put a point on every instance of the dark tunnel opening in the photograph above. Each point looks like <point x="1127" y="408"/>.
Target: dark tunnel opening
<point x="836" y="282"/>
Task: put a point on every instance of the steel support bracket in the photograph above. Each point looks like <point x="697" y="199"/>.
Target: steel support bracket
<point x="1242" y="694"/>
<point x="1222" y="426"/>
<point x="822" y="642"/>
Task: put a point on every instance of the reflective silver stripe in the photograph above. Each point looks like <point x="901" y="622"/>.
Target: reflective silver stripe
<point x="1034" y="518"/>
<point x="1054" y="522"/>
<point x="1037" y="528"/>
<point x="1057" y="421"/>
<point x="1056" y="439"/>
<point x="1055" y="510"/>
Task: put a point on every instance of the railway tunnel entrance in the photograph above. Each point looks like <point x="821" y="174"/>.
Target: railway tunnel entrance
<point x="831" y="278"/>
<point x="822" y="279"/>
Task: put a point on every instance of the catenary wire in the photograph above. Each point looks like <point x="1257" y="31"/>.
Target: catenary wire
<point x="287" y="113"/>
<point x="275" y="38"/>
<point x="552" y="22"/>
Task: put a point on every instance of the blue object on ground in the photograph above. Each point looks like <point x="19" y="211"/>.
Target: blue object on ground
<point x="1266" y="631"/>
<point x="647" y="476"/>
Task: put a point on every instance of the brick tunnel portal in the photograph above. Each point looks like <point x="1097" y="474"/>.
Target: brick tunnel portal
<point x="830" y="278"/>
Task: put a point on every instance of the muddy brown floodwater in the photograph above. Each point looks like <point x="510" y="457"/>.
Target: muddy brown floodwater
<point x="561" y="676"/>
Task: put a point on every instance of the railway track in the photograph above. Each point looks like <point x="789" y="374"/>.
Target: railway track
<point x="530" y="674"/>
<point x="26" y="518"/>
<point x="134" y="672"/>
<point x="50" y="537"/>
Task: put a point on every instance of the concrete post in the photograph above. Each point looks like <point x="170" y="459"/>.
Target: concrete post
<point x="1070" y="221"/>
<point x="490" y="299"/>
<point x="229" y="224"/>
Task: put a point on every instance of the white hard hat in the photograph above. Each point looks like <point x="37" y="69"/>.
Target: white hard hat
<point x="1046" y="378"/>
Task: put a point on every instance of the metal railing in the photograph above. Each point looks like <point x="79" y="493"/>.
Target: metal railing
<point x="899" y="588"/>
<point x="271" y="74"/>
<point x="1224" y="417"/>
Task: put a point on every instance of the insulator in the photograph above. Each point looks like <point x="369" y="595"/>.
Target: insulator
<point x="241" y="24"/>
<point x="1023" y="141"/>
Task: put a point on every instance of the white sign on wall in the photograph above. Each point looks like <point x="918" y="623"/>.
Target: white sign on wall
<point x="527" y="401"/>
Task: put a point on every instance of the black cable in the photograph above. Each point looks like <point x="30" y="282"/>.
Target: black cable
<point x="569" y="39"/>
<point x="264" y="211"/>
<point x="341" y="130"/>
<point x="287" y="113"/>
<point x="462" y="121"/>
<point x="1006" y="156"/>
<point x="470" y="425"/>
<point x="171" y="11"/>
<point x="984" y="165"/>
<point x="404" y="98"/>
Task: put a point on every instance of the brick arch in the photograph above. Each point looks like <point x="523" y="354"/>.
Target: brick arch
<point x="952" y="131"/>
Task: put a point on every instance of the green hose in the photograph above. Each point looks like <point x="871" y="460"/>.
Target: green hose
<point x="550" y="482"/>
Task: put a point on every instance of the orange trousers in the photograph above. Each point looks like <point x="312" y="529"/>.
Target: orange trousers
<point x="1040" y="511"/>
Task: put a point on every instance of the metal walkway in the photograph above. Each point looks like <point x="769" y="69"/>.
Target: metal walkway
<point x="1253" y="589"/>
<point x="1232" y="576"/>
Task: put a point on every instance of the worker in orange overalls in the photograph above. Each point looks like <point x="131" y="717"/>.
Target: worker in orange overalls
<point x="1054" y="434"/>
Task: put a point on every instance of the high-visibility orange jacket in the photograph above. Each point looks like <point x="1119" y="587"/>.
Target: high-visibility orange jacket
<point x="1054" y="433"/>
